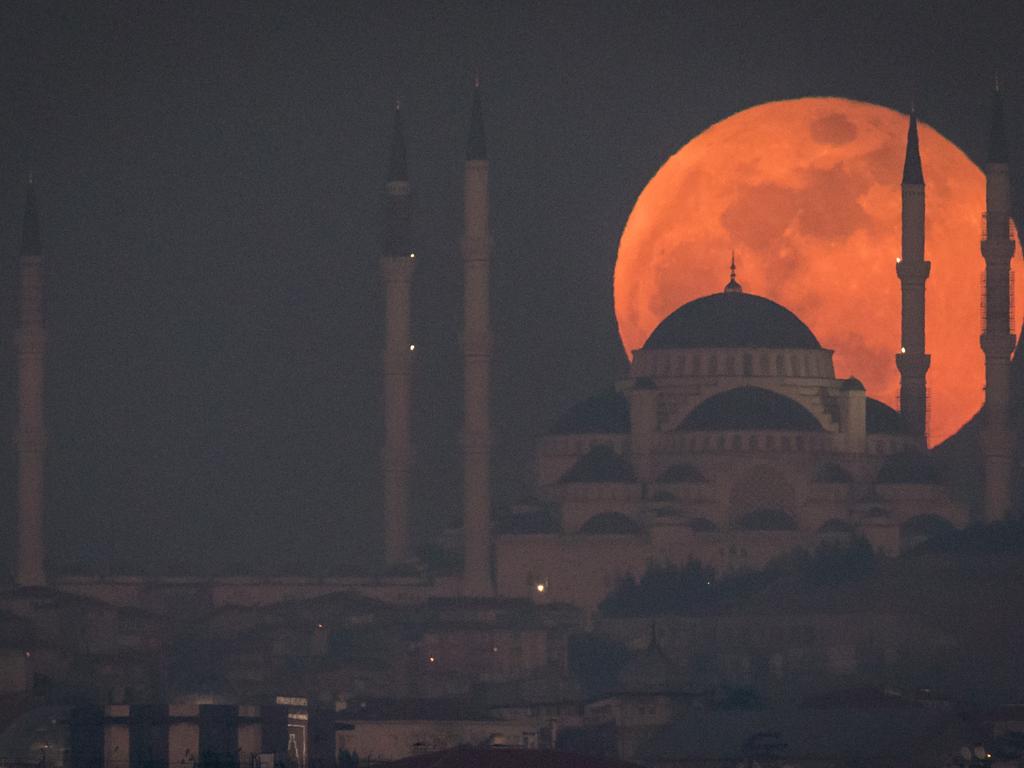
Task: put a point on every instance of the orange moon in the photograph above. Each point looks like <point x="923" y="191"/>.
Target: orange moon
<point x="807" y="192"/>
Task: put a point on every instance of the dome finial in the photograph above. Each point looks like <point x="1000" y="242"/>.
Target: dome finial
<point x="733" y="286"/>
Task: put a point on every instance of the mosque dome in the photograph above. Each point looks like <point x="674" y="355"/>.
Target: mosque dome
<point x="730" y="320"/>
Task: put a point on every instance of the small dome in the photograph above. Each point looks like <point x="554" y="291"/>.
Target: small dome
<point x="540" y="520"/>
<point x="601" y="464"/>
<point x="852" y="384"/>
<point x="663" y="496"/>
<point x="604" y="413"/>
<point x="611" y="523"/>
<point x="766" y="520"/>
<point x="836" y="525"/>
<point x="925" y="526"/>
<point x="668" y="512"/>
<point x="729" y="321"/>
<point x="880" y="419"/>
<point x="682" y="473"/>
<point x="749" y="408"/>
<point x="830" y="472"/>
<point x="702" y="525"/>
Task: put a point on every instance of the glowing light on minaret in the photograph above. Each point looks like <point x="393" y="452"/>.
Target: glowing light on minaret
<point x="397" y="265"/>
<point x="476" y="435"/>
<point x="913" y="271"/>
<point x="997" y="338"/>
<point x="31" y="435"/>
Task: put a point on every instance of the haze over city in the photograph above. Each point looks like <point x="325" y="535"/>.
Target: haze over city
<point x="511" y="384"/>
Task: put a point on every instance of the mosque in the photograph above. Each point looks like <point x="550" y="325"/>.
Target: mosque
<point x="731" y="441"/>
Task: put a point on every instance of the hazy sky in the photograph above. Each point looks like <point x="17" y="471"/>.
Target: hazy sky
<point x="210" y="184"/>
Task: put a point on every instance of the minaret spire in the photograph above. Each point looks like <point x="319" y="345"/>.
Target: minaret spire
<point x="476" y="147"/>
<point x="31" y="435"/>
<point x="998" y="151"/>
<point x="397" y="264"/>
<point x="912" y="173"/>
<point x="476" y="435"/>
<point x="997" y="337"/>
<point x="397" y="166"/>
<point x="913" y="271"/>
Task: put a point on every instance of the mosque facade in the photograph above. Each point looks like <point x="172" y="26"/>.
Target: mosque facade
<point x="730" y="443"/>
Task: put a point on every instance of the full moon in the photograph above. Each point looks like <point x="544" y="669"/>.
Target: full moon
<point x="807" y="194"/>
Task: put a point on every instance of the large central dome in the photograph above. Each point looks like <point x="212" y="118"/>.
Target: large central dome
<point x="732" y="320"/>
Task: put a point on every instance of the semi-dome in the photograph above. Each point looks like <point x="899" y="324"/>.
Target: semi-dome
<point x="749" y="408"/>
<point x="601" y="464"/>
<point x="881" y="419"/>
<point x="611" y="523"/>
<point x="731" y="320"/>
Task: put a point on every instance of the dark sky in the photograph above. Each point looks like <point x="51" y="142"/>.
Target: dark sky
<point x="210" y="182"/>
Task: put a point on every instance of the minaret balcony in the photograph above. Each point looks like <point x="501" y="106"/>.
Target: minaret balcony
<point x="912" y="365"/>
<point x="913" y="271"/>
<point x="998" y="344"/>
<point x="997" y="227"/>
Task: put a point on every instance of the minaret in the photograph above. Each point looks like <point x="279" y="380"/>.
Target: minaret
<point x="997" y="338"/>
<point x="31" y="435"/>
<point x="913" y="271"/>
<point x="397" y="263"/>
<point x="476" y="435"/>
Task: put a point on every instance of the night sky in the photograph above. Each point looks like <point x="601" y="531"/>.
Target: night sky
<point x="210" y="184"/>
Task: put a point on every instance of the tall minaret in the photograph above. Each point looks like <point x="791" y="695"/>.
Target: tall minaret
<point x="397" y="263"/>
<point x="997" y="338"/>
<point x="476" y="436"/>
<point x="913" y="271"/>
<point x="31" y="435"/>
